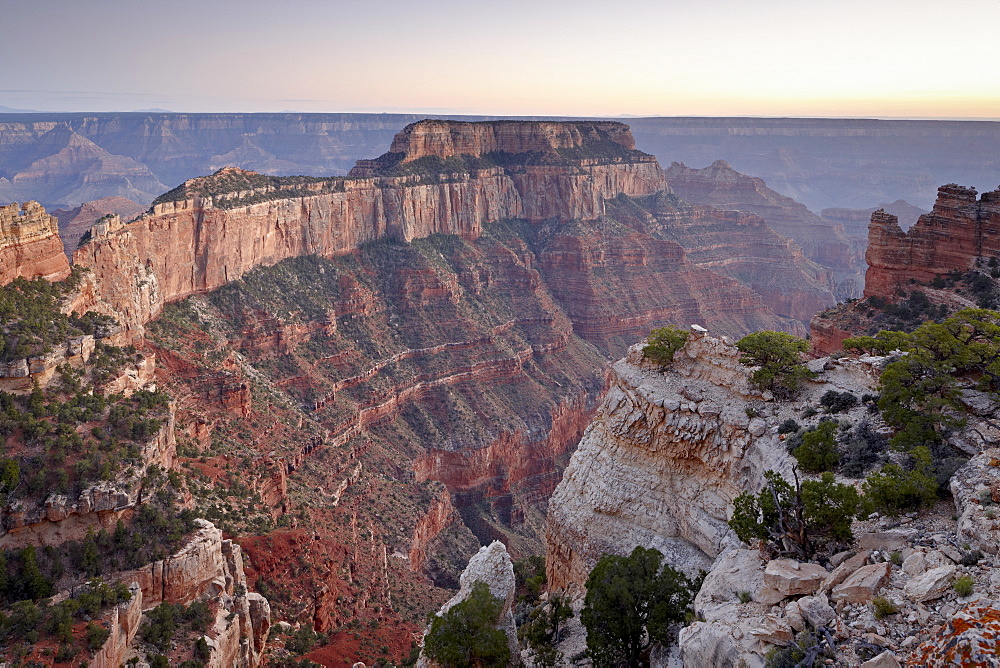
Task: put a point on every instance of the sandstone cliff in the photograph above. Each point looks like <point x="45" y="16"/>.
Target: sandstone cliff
<point x="958" y="230"/>
<point x="823" y="241"/>
<point x="661" y="463"/>
<point x="29" y="244"/>
<point x="190" y="243"/>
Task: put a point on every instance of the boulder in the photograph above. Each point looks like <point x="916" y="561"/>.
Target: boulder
<point x="915" y="564"/>
<point x="845" y="569"/>
<point x="774" y="630"/>
<point x="887" y="541"/>
<point x="884" y="660"/>
<point x="787" y="577"/>
<point x="793" y="614"/>
<point x="816" y="610"/>
<point x="931" y="585"/>
<point x="862" y="584"/>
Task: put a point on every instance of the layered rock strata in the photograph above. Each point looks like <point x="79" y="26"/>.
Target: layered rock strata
<point x="958" y="230"/>
<point x="822" y="240"/>
<point x="29" y="244"/>
<point x="197" y="243"/>
<point x="661" y="463"/>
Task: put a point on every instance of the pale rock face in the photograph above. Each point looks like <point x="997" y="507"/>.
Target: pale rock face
<point x="816" y="610"/>
<point x="931" y="585"/>
<point x="978" y="480"/>
<point x="863" y="584"/>
<point x="661" y="463"/>
<point x="492" y="566"/>
<point x="787" y="577"/>
<point x="123" y="625"/>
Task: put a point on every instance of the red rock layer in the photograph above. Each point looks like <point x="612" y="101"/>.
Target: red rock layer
<point x="192" y="246"/>
<point x="823" y="241"/>
<point x="74" y="223"/>
<point x="958" y="230"/>
<point x="448" y="138"/>
<point x="29" y="244"/>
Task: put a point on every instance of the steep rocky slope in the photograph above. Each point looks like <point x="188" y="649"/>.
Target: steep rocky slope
<point x="822" y="240"/>
<point x="661" y="463"/>
<point x="944" y="262"/>
<point x="29" y="244"/>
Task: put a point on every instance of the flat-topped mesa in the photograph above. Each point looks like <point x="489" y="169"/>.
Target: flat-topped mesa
<point x="562" y="140"/>
<point x="957" y="231"/>
<point x="212" y="230"/>
<point x="30" y="246"/>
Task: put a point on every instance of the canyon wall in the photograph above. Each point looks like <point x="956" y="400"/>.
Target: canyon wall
<point x="192" y="244"/>
<point x="823" y="241"/>
<point x="662" y="461"/>
<point x="820" y="162"/>
<point x="29" y="244"/>
<point x="958" y="230"/>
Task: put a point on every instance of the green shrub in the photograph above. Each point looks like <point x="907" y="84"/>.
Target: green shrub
<point x="96" y="635"/>
<point x="789" y="426"/>
<point x="893" y="489"/>
<point x="466" y="635"/>
<point x="778" y="356"/>
<point x="838" y="402"/>
<point x="818" y="451"/>
<point x="963" y="585"/>
<point x="631" y="603"/>
<point x="662" y="343"/>
<point x="884" y="607"/>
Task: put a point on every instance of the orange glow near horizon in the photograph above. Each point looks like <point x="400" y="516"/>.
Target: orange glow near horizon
<point x="892" y="58"/>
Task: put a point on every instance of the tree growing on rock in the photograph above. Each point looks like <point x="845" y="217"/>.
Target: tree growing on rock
<point x="796" y="521"/>
<point x="778" y="356"/>
<point x="466" y="635"/>
<point x="662" y="343"/>
<point x="633" y="602"/>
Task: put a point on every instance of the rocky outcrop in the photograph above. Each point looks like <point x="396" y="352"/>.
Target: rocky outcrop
<point x="123" y="625"/>
<point x="958" y="230"/>
<point x="823" y="241"/>
<point x="444" y="139"/>
<point x="29" y="244"/>
<point x="493" y="567"/>
<point x="75" y="223"/>
<point x="196" y="243"/>
<point x="58" y="518"/>
<point x="661" y="463"/>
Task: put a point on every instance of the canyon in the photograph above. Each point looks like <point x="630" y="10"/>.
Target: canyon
<point x="823" y="163"/>
<point x="377" y="373"/>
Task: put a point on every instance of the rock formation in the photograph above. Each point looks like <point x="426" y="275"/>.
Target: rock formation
<point x="661" y="463"/>
<point x="75" y="223"/>
<point x="823" y="241"/>
<point x="493" y="567"/>
<point x="194" y="244"/>
<point x="29" y="244"/>
<point x="958" y="230"/>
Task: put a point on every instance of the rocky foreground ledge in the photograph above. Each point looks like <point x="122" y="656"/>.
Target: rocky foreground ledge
<point x="669" y="450"/>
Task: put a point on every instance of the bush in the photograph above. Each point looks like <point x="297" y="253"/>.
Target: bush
<point x="884" y="607"/>
<point x="963" y="585"/>
<point x="893" y="489"/>
<point x="96" y="635"/>
<point x="796" y="521"/>
<point x="631" y="603"/>
<point x="789" y="426"/>
<point x="662" y="343"/>
<point x="779" y="358"/>
<point x="466" y="635"/>
<point x="838" y="402"/>
<point x="862" y="449"/>
<point x="818" y="451"/>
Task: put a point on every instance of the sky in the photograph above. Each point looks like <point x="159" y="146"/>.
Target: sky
<point x="846" y="58"/>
